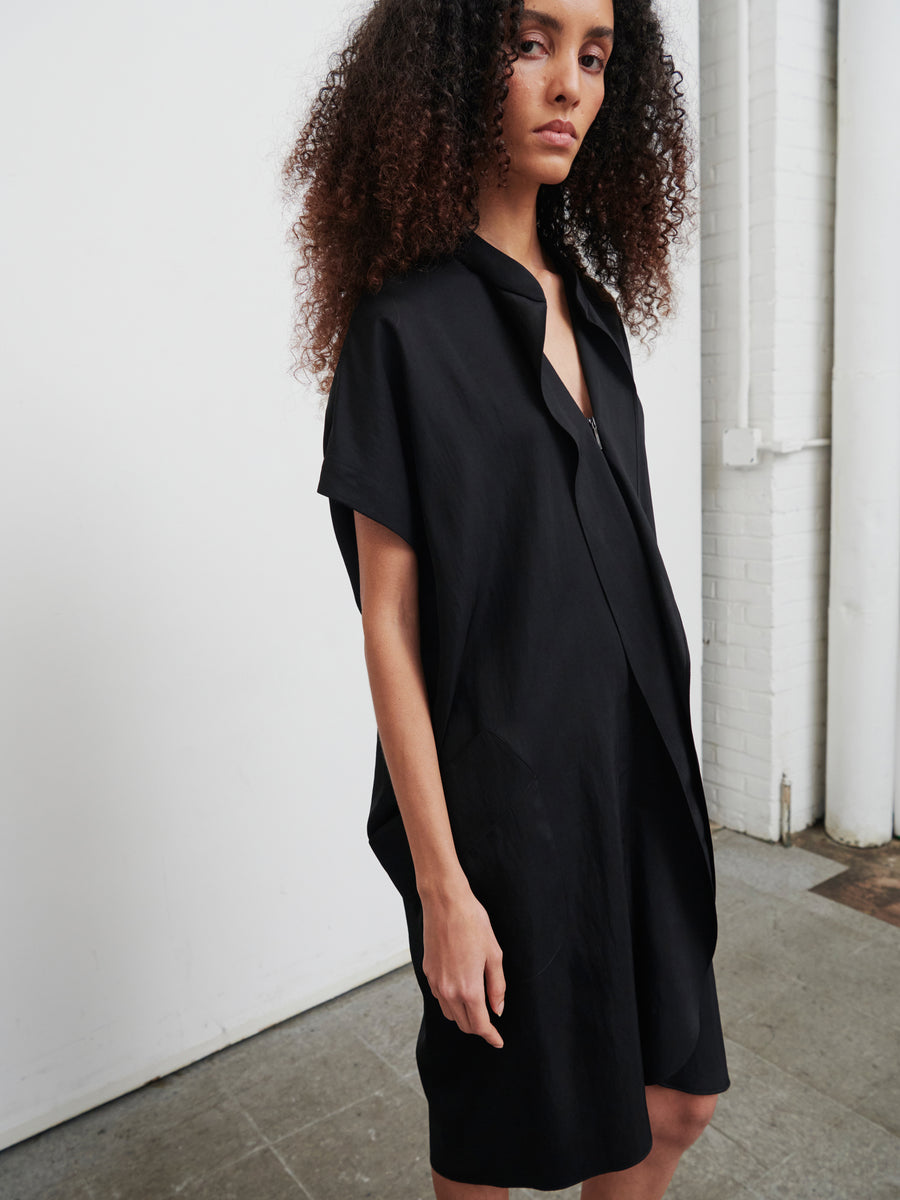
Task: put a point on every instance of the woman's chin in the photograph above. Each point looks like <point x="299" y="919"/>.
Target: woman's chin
<point x="554" y="167"/>
<point x="551" y="178"/>
<point x="548" y="173"/>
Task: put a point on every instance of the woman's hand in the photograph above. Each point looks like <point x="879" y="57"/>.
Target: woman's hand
<point x="462" y="958"/>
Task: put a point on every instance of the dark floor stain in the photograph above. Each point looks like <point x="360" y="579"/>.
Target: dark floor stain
<point x="871" y="882"/>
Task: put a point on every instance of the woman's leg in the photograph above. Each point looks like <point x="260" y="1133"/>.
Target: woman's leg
<point x="677" y="1119"/>
<point x="448" y="1189"/>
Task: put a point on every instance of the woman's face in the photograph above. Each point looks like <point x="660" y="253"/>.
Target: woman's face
<point x="563" y="48"/>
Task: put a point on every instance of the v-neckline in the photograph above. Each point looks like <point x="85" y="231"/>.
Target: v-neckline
<point x="566" y="390"/>
<point x="509" y="274"/>
<point x="571" y="305"/>
<point x="590" y="421"/>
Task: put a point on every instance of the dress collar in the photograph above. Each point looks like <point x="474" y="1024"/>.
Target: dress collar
<point x="499" y="267"/>
<point x="510" y="275"/>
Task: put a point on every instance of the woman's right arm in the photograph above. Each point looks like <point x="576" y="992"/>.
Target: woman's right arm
<point x="462" y="955"/>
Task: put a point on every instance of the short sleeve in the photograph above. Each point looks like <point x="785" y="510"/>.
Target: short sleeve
<point x="368" y="462"/>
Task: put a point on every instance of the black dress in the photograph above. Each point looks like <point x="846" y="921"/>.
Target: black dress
<point x="558" y="684"/>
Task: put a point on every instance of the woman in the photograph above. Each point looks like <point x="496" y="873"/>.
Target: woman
<point x="472" y="174"/>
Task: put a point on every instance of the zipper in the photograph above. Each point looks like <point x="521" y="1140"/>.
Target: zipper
<point x="593" y="424"/>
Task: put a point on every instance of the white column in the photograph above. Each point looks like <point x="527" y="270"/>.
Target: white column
<point x="864" y="597"/>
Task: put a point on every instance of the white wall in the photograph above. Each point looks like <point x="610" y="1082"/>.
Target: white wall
<point x="187" y="735"/>
<point x="765" y="573"/>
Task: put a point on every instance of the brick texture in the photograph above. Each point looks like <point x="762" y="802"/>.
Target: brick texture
<point x="765" y="545"/>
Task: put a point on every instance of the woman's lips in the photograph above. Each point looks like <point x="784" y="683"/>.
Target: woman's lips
<point x="557" y="132"/>
<point x="554" y="137"/>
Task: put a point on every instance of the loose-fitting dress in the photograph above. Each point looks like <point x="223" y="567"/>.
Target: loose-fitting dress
<point x="557" y="674"/>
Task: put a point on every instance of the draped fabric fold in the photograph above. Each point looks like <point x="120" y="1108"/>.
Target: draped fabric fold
<point x="609" y="506"/>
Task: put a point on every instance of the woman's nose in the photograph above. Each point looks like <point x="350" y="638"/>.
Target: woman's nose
<point x="564" y="78"/>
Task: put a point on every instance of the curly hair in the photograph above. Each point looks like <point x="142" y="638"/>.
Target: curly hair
<point x="377" y="194"/>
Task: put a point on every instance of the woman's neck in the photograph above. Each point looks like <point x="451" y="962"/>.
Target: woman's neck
<point x="507" y="218"/>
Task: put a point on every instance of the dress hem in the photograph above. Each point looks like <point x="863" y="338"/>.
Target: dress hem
<point x="547" y="1185"/>
<point x="714" y="1091"/>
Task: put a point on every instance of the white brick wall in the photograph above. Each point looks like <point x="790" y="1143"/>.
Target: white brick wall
<point x="766" y="527"/>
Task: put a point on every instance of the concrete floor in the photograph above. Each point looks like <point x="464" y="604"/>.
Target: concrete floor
<point x="328" y="1106"/>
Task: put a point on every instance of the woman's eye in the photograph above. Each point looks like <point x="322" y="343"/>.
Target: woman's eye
<point x="527" y="46"/>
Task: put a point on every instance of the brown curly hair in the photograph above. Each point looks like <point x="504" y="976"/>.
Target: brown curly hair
<point x="376" y="193"/>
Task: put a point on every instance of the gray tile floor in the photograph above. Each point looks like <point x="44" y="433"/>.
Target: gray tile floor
<point x="328" y="1106"/>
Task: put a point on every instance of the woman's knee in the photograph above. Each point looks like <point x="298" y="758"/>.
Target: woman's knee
<point x="678" y="1117"/>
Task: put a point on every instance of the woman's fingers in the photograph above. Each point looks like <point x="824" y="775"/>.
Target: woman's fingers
<point x="480" y="1021"/>
<point x="446" y="1008"/>
<point x="469" y="1010"/>
<point x="495" y="981"/>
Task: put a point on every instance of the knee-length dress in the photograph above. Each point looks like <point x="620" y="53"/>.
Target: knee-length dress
<point x="558" y="683"/>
